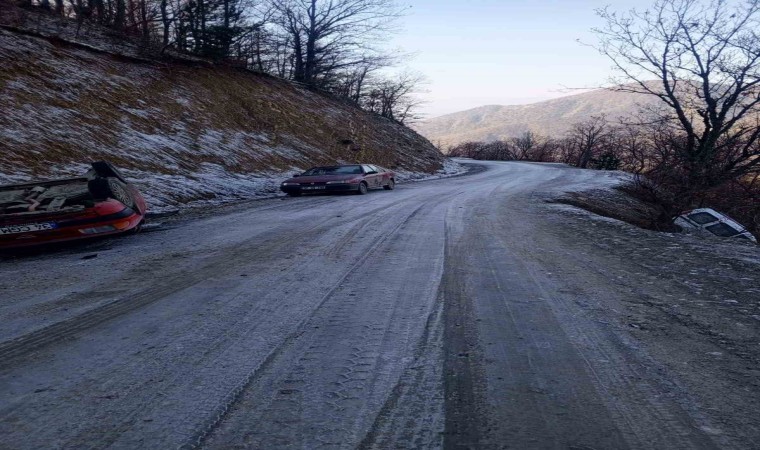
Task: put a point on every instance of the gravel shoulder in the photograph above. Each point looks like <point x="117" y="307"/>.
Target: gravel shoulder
<point x="691" y="302"/>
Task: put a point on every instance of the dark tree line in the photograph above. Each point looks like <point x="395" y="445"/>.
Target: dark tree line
<point x="593" y="143"/>
<point x="327" y="44"/>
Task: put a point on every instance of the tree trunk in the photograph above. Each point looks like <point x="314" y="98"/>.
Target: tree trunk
<point x="120" y="15"/>
<point x="99" y="10"/>
<point x="144" y="20"/>
<point x="585" y="158"/>
<point x="311" y="45"/>
<point x="202" y="17"/>
<point x="298" y="70"/>
<point x="165" y="21"/>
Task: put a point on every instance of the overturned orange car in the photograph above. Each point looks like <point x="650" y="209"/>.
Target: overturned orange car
<point x="100" y="203"/>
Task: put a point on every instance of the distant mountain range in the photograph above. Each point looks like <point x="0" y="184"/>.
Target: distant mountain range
<point x="547" y="118"/>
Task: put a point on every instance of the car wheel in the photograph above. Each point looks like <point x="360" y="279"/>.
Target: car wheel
<point x="390" y="186"/>
<point x="103" y="188"/>
<point x="362" y="188"/>
<point x="136" y="229"/>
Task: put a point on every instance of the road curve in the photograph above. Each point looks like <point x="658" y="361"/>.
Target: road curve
<point x="444" y="314"/>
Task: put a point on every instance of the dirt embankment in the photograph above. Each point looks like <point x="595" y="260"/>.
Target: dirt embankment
<point x="184" y="131"/>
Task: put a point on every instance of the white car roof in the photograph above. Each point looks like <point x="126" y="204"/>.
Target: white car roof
<point x="724" y="219"/>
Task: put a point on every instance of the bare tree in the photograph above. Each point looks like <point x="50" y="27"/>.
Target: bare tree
<point x="705" y="58"/>
<point x="394" y="98"/>
<point x="354" y="82"/>
<point x="586" y="138"/>
<point x="634" y="148"/>
<point x="545" y="150"/>
<point x="329" y="35"/>
<point x="524" y="144"/>
<point x="466" y="150"/>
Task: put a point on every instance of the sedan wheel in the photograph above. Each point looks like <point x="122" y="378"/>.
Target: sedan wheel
<point x="390" y="186"/>
<point x="362" y="188"/>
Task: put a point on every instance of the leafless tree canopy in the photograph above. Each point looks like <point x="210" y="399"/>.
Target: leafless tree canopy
<point x="586" y="137"/>
<point x="702" y="59"/>
<point x="330" y="35"/>
<point x="394" y="98"/>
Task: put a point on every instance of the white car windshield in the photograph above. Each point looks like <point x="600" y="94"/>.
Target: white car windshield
<point x="702" y="218"/>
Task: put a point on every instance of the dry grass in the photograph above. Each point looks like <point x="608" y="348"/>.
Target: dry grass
<point x="61" y="104"/>
<point x="622" y="203"/>
<point x="633" y="204"/>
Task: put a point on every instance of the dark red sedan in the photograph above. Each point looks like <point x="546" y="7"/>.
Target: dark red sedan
<point x="358" y="178"/>
<point x="100" y="203"/>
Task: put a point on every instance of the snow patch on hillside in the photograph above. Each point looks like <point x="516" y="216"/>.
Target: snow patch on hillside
<point x="213" y="185"/>
<point x="186" y="137"/>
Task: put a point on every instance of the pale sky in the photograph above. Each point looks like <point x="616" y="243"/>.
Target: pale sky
<point x="484" y="52"/>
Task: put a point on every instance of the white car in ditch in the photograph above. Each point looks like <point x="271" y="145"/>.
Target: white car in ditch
<point x="714" y="222"/>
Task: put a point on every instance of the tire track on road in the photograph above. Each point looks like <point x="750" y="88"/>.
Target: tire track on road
<point x="650" y="417"/>
<point x="414" y="393"/>
<point x="111" y="431"/>
<point x="66" y="329"/>
<point x="309" y="354"/>
<point x="229" y="401"/>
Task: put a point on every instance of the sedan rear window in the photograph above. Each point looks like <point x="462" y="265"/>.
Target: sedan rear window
<point x="722" y="230"/>
<point x="335" y="170"/>
<point x="702" y="218"/>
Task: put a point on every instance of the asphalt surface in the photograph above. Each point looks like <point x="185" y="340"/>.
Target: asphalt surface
<point x="457" y="313"/>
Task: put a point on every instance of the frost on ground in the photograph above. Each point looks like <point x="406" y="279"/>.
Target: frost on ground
<point x="213" y="185"/>
<point x="720" y="274"/>
<point x="186" y="135"/>
<point x="608" y="198"/>
<point x="608" y="329"/>
<point x="691" y="298"/>
<point x="450" y="168"/>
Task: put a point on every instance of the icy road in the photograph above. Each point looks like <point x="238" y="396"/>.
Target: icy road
<point x="459" y="313"/>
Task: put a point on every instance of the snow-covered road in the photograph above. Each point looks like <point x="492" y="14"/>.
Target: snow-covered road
<point x="457" y="313"/>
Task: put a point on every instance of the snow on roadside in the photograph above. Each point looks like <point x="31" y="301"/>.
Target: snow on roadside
<point x="450" y="168"/>
<point x="212" y="185"/>
<point x="160" y="127"/>
<point x="603" y="196"/>
<point x="578" y="211"/>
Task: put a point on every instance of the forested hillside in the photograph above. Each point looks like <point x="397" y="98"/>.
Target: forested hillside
<point x="547" y="118"/>
<point x="186" y="130"/>
<point x="339" y="45"/>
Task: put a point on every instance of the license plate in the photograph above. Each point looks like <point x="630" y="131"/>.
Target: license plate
<point x="312" y="188"/>
<point x="14" y="229"/>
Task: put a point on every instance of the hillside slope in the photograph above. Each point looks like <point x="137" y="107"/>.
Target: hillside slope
<point x="547" y="118"/>
<point x="184" y="132"/>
